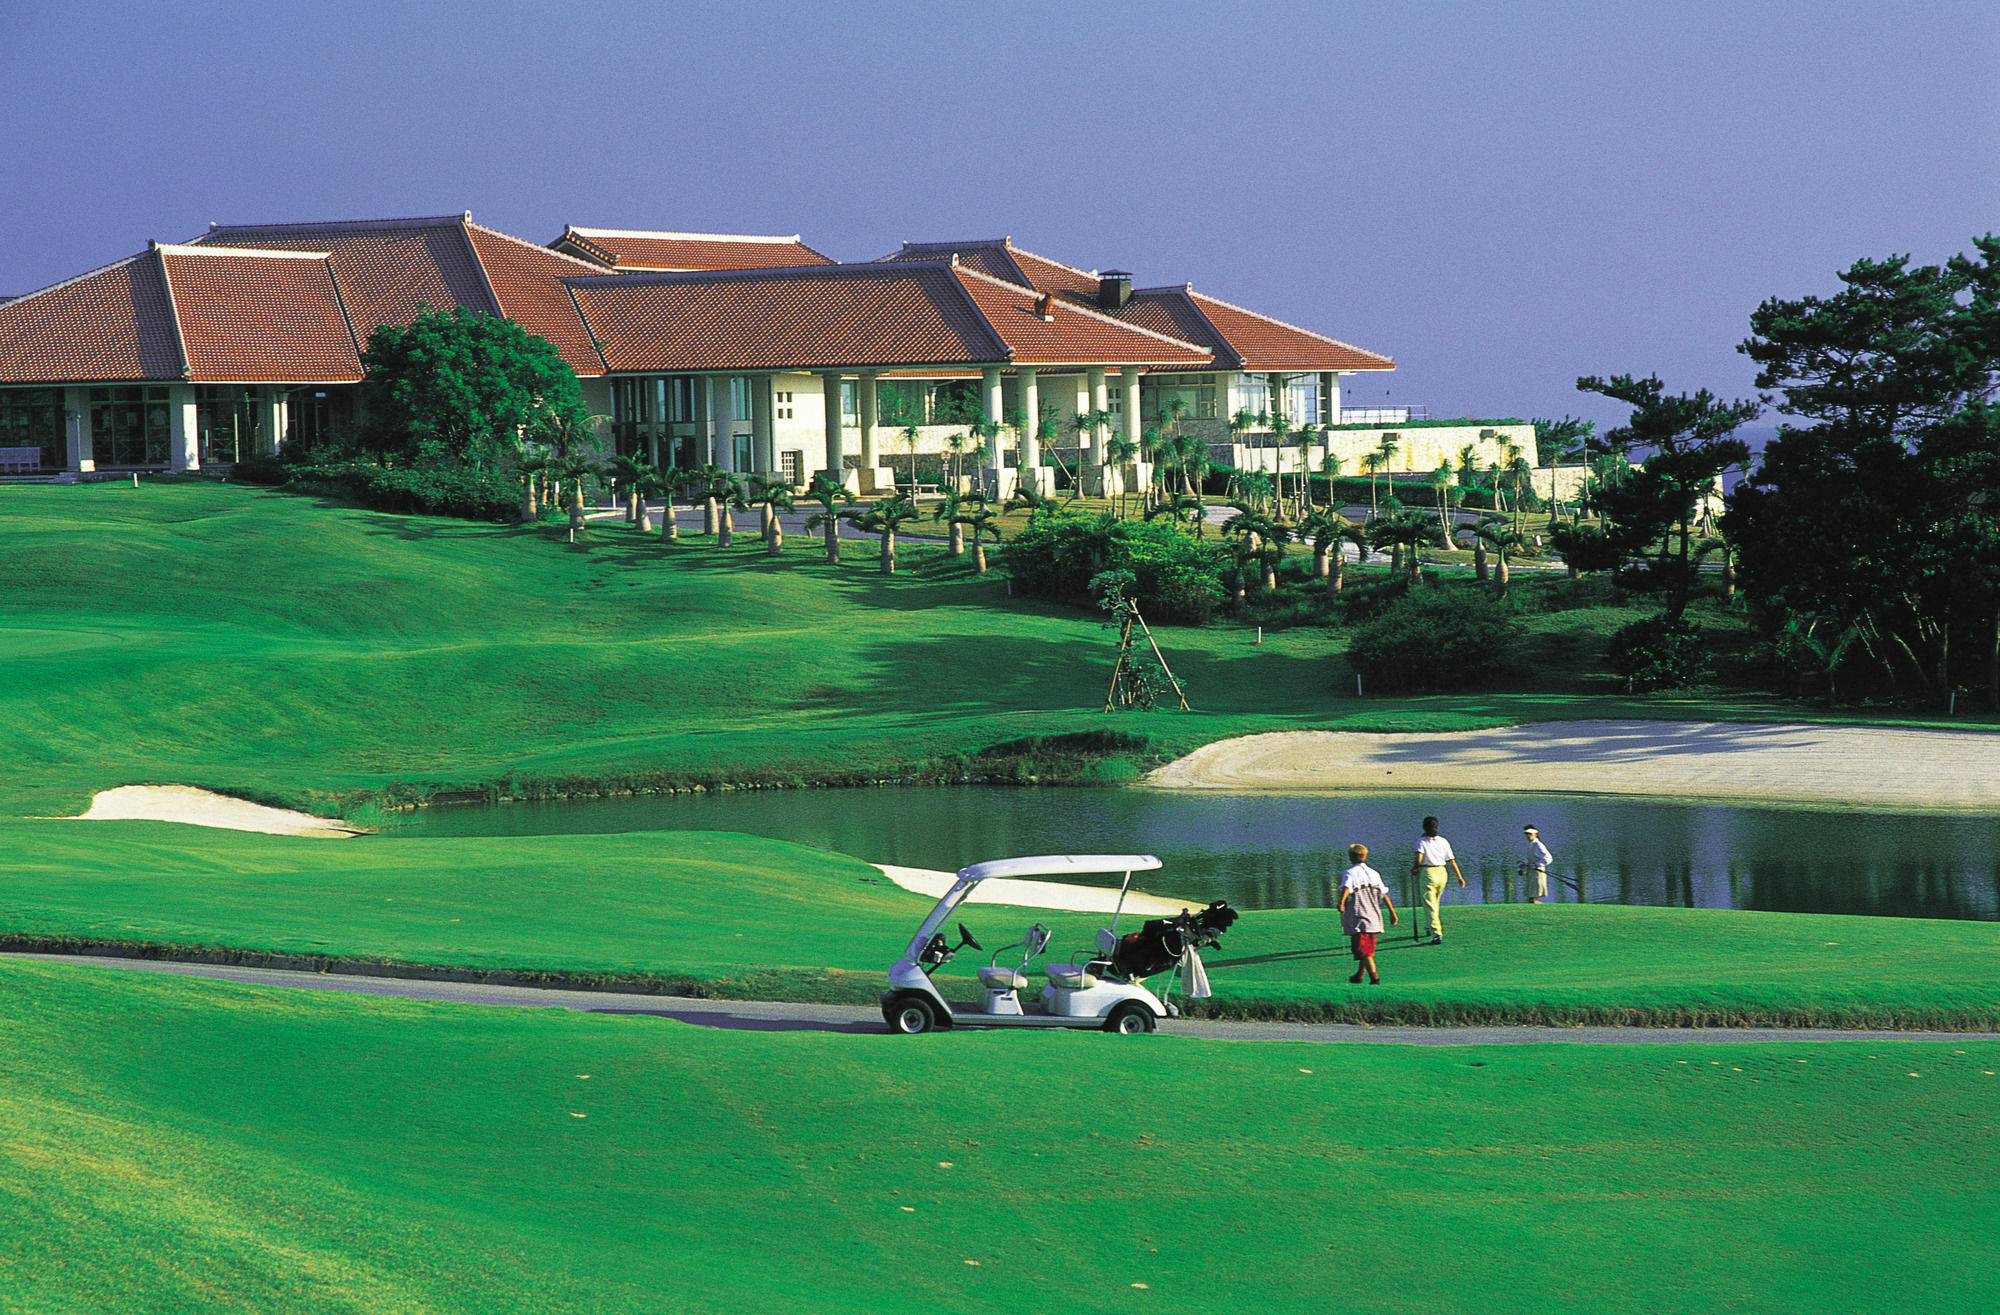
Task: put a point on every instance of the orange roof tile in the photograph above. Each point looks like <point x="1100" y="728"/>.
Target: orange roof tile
<point x="249" y="316"/>
<point x="385" y="266"/>
<point x="835" y="315"/>
<point x="638" y="249"/>
<point x="526" y="280"/>
<point x="1263" y="343"/>
<point x="111" y="324"/>
<point x="1072" y="335"/>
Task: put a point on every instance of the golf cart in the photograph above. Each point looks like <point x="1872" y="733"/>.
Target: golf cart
<point x="1100" y="988"/>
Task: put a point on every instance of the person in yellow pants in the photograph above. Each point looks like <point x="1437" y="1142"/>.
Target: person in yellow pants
<point x="1433" y="858"/>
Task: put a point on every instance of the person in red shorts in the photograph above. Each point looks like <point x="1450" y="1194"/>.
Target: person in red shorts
<point x="1363" y="896"/>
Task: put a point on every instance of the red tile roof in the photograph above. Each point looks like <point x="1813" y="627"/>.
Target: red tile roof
<point x="385" y="266"/>
<point x="108" y="325"/>
<point x="527" y="282"/>
<point x="876" y="314"/>
<point x="637" y="249"/>
<point x="1071" y="335"/>
<point x="258" y="316"/>
<point x="1263" y="343"/>
<point x="851" y="315"/>
<point x="988" y="255"/>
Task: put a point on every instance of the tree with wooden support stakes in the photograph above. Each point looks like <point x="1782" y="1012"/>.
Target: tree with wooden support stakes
<point x="1137" y="682"/>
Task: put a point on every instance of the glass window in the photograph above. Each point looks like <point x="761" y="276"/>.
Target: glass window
<point x="129" y="426"/>
<point x="227" y="421"/>
<point x="33" y="417"/>
<point x="1302" y="400"/>
<point x="680" y="399"/>
<point x="1253" y="394"/>
<point x="850" y="401"/>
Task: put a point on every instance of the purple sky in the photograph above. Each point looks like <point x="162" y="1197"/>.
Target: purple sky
<point x="1502" y="197"/>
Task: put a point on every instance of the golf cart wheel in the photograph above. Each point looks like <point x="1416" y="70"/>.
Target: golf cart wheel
<point x="912" y="1014"/>
<point x="1130" y="1020"/>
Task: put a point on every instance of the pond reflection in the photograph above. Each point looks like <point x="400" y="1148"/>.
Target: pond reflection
<point x="1281" y="851"/>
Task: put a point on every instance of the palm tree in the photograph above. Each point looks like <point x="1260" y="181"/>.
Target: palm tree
<point x="624" y="473"/>
<point x="1372" y="463"/>
<point x="1495" y="533"/>
<point x="885" y="518"/>
<point x="973" y="511"/>
<point x="1357" y="535"/>
<point x="1152" y="442"/>
<point x="831" y="494"/>
<point x="1329" y="469"/>
<point x="573" y="468"/>
<point x="947" y="512"/>
<point x="954" y="446"/>
<point x="725" y="495"/>
<point x="1478" y="551"/>
<point x="1406" y="531"/>
<point x="1184" y="509"/>
<point x="1304" y="439"/>
<point x="910" y="436"/>
<point x="1322" y="528"/>
<point x="1260" y="542"/>
<point x="706" y="483"/>
<point x="985" y="448"/>
<point x="530" y="467"/>
<point x="773" y="496"/>
<point x="1118" y="451"/>
<point x="1440" y="487"/>
<point x="648" y="480"/>
<point x="1036" y="504"/>
<point x="676" y="482"/>
<point x="1521" y="480"/>
<point x="1390" y="445"/>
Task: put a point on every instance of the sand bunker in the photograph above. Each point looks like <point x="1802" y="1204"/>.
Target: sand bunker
<point x="1037" y="894"/>
<point x="1859" y="765"/>
<point x="184" y="803"/>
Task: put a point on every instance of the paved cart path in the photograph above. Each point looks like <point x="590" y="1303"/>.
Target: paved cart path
<point x="767" y="1016"/>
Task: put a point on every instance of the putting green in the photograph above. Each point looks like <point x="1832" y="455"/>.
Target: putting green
<point x="172" y="1143"/>
<point x="753" y="918"/>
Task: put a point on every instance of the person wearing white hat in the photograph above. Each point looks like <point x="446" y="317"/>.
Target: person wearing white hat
<point x="1537" y="863"/>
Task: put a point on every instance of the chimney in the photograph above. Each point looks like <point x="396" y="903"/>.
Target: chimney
<point x="1114" y="289"/>
<point x="1045" y="306"/>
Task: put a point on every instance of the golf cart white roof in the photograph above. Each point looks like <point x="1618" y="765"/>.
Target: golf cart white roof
<point x="1058" y="865"/>
<point x="1038" y="865"/>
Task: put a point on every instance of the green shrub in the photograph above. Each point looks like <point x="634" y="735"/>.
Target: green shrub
<point x="1660" y="652"/>
<point x="1434" y="639"/>
<point x="1178" y="576"/>
<point x="444" y="490"/>
<point x="260" y="470"/>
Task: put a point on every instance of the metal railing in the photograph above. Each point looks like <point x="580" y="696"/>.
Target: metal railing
<point x="1383" y="415"/>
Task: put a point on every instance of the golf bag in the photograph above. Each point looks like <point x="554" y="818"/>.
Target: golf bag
<point x="1160" y="942"/>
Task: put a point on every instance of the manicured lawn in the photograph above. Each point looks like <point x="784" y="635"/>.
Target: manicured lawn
<point x="749" y="917"/>
<point x="171" y="1144"/>
<point x="254" y="641"/>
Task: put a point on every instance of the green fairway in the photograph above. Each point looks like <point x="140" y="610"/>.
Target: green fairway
<point x="753" y="918"/>
<point x="259" y="642"/>
<point x="167" y="1144"/>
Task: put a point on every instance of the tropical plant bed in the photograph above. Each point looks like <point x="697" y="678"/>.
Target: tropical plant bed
<point x="179" y="1144"/>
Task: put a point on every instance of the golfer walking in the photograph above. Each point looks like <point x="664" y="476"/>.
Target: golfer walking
<point x="1433" y="857"/>
<point x="1363" y="896"/>
<point x="1536" y="866"/>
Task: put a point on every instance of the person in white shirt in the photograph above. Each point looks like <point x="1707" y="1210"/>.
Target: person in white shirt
<point x="1363" y="896"/>
<point x="1536" y="867"/>
<point x="1433" y="856"/>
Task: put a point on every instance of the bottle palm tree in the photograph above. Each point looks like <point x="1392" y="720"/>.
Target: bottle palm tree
<point x="1256" y="487"/>
<point x="885" y="517"/>
<point x="673" y="483"/>
<point x="572" y="469"/>
<point x="707" y="484"/>
<point x="1322" y="528"/>
<point x="725" y="494"/>
<point x="531" y="466"/>
<point x="974" y="512"/>
<point x="911" y="433"/>
<point x="624" y="473"/>
<point x="648" y="480"/>
<point x="1260" y="541"/>
<point x="832" y="495"/>
<point x="1502" y="539"/>
<point x="1407" y="532"/>
<point x="772" y="496"/>
<point x="947" y="512"/>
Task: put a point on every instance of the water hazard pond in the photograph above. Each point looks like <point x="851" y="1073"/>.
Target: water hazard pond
<point x="1266" y="852"/>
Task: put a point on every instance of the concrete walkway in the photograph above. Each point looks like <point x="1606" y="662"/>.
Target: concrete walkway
<point x="763" y="1016"/>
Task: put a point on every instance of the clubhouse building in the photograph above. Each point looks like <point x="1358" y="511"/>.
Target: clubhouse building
<point x="754" y="353"/>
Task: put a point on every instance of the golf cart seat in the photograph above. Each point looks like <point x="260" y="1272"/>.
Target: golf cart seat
<point x="995" y="977"/>
<point x="1071" y="976"/>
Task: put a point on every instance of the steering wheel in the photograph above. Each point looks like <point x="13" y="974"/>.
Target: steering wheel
<point x="965" y="939"/>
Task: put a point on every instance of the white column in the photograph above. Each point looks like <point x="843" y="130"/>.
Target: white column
<point x="725" y="420"/>
<point x="1031" y="424"/>
<point x="1128" y="384"/>
<point x="183" y="450"/>
<point x="705" y="424"/>
<point x="270" y="420"/>
<point x="870" y="459"/>
<point x="1093" y="456"/>
<point x="990" y="392"/>
<point x="836" y="442"/>
<point x="763" y="413"/>
<point x="76" y="417"/>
